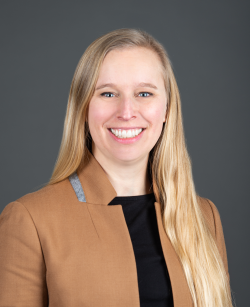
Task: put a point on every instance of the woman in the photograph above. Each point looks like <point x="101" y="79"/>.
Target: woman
<point x="119" y="223"/>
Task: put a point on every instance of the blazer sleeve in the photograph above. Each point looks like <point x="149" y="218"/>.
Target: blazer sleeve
<point x="219" y="236"/>
<point x="22" y="266"/>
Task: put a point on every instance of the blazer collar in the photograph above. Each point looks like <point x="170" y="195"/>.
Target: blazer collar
<point x="95" y="183"/>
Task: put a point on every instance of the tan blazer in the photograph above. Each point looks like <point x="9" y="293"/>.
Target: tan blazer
<point x="58" y="251"/>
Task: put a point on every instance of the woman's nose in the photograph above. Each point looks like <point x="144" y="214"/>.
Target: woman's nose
<point x="126" y="108"/>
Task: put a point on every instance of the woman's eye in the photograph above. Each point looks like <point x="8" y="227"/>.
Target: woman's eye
<point x="108" y="94"/>
<point x="144" y="94"/>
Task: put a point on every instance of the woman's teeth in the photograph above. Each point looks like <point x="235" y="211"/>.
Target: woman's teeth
<point x="125" y="134"/>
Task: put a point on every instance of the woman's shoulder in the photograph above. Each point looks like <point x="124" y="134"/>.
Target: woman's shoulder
<point x="49" y="197"/>
<point x="210" y="213"/>
<point x="212" y="217"/>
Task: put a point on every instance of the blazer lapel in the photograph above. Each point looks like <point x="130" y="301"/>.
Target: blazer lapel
<point x="95" y="183"/>
<point x="98" y="190"/>
<point x="180" y="289"/>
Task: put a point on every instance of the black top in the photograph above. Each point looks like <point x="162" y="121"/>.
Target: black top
<point x="153" y="279"/>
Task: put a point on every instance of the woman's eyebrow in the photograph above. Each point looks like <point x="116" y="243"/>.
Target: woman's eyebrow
<point x="105" y="85"/>
<point x="142" y="84"/>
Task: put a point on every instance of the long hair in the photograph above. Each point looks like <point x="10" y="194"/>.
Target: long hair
<point x="169" y="165"/>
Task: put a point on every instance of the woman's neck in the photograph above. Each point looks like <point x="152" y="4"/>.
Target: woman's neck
<point x="128" y="178"/>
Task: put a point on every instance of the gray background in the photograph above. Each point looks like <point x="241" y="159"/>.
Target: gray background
<point x="208" y="43"/>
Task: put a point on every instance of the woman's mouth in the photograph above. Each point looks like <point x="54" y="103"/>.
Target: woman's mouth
<point x="126" y="136"/>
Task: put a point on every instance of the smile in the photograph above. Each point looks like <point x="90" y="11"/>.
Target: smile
<point x="126" y="134"/>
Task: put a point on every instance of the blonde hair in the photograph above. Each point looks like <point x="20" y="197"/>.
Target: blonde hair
<point x="169" y="165"/>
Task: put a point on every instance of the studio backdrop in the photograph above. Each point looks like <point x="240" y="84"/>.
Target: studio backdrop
<point x="208" y="44"/>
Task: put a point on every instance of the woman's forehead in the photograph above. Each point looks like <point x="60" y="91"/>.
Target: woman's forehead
<point x="136" y="65"/>
<point x="132" y="55"/>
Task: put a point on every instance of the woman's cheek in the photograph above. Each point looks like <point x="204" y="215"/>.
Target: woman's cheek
<point x="155" y="116"/>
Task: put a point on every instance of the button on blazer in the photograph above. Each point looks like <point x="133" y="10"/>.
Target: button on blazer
<point x="58" y="251"/>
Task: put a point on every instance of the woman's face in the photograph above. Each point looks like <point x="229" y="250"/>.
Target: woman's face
<point x="129" y="96"/>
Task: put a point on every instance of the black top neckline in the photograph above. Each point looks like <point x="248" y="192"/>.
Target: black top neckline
<point x="131" y="199"/>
